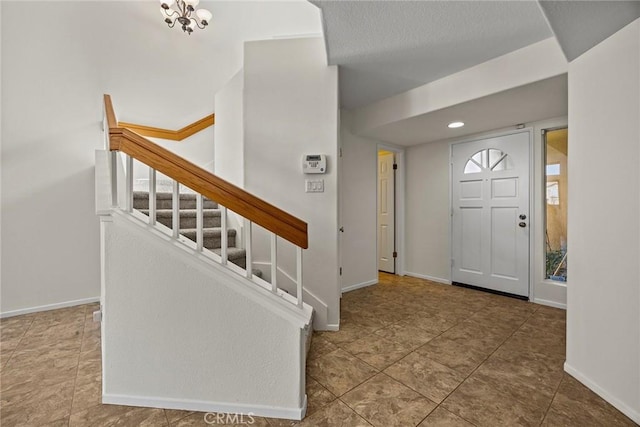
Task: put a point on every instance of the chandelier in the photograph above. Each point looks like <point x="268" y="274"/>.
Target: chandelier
<point x="182" y="12"/>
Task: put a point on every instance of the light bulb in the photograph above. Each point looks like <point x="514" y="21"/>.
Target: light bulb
<point x="192" y="3"/>
<point x="204" y="16"/>
<point x="164" y="4"/>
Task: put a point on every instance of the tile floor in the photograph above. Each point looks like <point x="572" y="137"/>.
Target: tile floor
<point x="409" y="352"/>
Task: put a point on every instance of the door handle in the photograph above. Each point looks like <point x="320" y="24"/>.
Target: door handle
<point x="522" y="224"/>
<point x="341" y="229"/>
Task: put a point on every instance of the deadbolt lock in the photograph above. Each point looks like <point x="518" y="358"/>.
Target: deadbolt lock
<point x="522" y="216"/>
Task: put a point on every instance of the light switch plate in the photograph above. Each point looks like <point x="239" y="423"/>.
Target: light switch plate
<point x="314" y="185"/>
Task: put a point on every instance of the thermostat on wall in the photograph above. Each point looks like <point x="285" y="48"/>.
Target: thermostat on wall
<point x="314" y="163"/>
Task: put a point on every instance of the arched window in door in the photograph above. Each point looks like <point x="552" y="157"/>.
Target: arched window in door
<point x="489" y="159"/>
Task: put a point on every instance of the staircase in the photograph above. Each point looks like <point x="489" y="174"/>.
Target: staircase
<point x="212" y="233"/>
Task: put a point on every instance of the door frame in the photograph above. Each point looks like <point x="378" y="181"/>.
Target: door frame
<point x="399" y="207"/>
<point x="532" y="210"/>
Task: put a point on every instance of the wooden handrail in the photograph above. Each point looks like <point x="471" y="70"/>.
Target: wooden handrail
<point x="174" y="135"/>
<point x="235" y="198"/>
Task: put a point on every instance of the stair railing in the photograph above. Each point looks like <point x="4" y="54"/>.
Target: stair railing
<point x="254" y="210"/>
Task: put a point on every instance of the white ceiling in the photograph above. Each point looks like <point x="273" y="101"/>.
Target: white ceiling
<point x="536" y="101"/>
<point x="388" y="47"/>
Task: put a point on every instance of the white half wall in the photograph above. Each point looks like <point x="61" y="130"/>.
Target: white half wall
<point x="603" y="317"/>
<point x="291" y="109"/>
<point x="358" y="207"/>
<point x="180" y="331"/>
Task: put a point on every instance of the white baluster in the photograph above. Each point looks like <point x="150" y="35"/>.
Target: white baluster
<point x="299" y="275"/>
<point x="247" y="234"/>
<point x="175" y="209"/>
<point x="114" y="179"/>
<point x="274" y="263"/>
<point x="129" y="184"/>
<point x="152" y="196"/>
<point x="199" y="222"/>
<point x="224" y="244"/>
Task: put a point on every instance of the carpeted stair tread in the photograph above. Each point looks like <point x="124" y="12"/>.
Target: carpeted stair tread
<point x="164" y="200"/>
<point x="207" y="232"/>
<point x="212" y="233"/>
<point x="185" y="213"/>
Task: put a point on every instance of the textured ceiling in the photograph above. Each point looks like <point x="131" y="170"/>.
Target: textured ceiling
<point x="388" y="47"/>
<point x="580" y="25"/>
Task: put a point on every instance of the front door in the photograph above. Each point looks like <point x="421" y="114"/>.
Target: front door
<point x="490" y="213"/>
<point x="386" y="212"/>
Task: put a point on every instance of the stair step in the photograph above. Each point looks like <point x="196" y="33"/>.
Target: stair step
<point x="164" y="200"/>
<point x="212" y="236"/>
<point x="238" y="256"/>
<point x="188" y="217"/>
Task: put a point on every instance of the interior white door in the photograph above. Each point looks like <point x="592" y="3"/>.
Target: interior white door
<point x="490" y="208"/>
<point x="386" y="213"/>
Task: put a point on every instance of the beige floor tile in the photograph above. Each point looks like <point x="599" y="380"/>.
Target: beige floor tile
<point x="36" y="406"/>
<point x="317" y="396"/>
<point x="87" y="393"/>
<point x="320" y="346"/>
<point x="521" y="376"/>
<point x="574" y="404"/>
<point x="428" y="377"/>
<point x="90" y="363"/>
<point x="432" y="323"/>
<point x="385" y="402"/>
<point x="115" y="415"/>
<point x="378" y="351"/>
<point x="335" y="414"/>
<point x="174" y="415"/>
<point x="348" y="332"/>
<point x="201" y="419"/>
<point x="406" y="334"/>
<point x="482" y="337"/>
<point x="440" y="417"/>
<point x="45" y="374"/>
<point x="24" y="358"/>
<point x="464" y="357"/>
<point x="339" y="371"/>
<point x="482" y="405"/>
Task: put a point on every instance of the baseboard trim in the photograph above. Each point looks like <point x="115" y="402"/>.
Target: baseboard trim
<point x="205" y="406"/>
<point x="550" y="303"/>
<point x="332" y="327"/>
<point x="431" y="278"/>
<point x="359" y="285"/>
<point x="48" y="307"/>
<point x="620" y="406"/>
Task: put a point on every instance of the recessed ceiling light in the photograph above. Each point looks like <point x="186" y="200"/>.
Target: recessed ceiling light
<point x="454" y="125"/>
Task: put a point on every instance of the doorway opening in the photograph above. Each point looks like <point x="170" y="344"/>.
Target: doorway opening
<point x="386" y="211"/>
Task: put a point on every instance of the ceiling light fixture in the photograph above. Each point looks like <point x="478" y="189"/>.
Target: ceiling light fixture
<point x="181" y="11"/>
<point x="454" y="125"/>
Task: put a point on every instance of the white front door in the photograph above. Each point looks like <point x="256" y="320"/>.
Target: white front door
<point x="490" y="209"/>
<point x="386" y="213"/>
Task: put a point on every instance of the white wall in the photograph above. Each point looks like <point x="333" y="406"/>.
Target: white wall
<point x="603" y="318"/>
<point x="213" y="343"/>
<point x="229" y="131"/>
<point x="53" y="78"/>
<point x="291" y="109"/>
<point x="427" y="212"/>
<point x="358" y="207"/>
